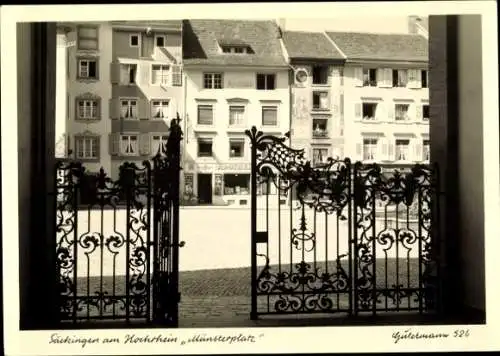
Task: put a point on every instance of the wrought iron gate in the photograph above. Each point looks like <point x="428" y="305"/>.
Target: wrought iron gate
<point x="117" y="240"/>
<point x="348" y="238"/>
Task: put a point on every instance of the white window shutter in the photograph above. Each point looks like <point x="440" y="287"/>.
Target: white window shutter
<point x="411" y="78"/>
<point x="143" y="73"/>
<point x="418" y="84"/>
<point x="385" y="150"/>
<point x="388" y="72"/>
<point x="176" y="75"/>
<point x="114" y="144"/>
<point x="418" y="112"/>
<point x="144" y="109"/>
<point x="391" y="153"/>
<point x="381" y="77"/>
<point x="418" y="152"/>
<point x="357" y="110"/>
<point x="144" y="144"/>
<point x="358" y="76"/>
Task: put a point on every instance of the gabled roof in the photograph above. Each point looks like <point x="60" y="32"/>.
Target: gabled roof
<point x="202" y="40"/>
<point x="375" y="46"/>
<point x="310" y="45"/>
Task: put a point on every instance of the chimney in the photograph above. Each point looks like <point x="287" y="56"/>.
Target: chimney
<point x="412" y="24"/>
<point x="281" y="26"/>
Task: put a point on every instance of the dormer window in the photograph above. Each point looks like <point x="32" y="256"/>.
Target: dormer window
<point x="235" y="49"/>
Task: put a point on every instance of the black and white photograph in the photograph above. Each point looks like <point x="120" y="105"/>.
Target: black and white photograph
<point x="205" y="178"/>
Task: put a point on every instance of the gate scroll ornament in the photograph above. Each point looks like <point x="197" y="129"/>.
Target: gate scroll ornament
<point x="305" y="286"/>
<point x="382" y="255"/>
<point x="106" y="231"/>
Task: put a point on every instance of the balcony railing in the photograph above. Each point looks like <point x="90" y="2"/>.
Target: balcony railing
<point x="320" y="133"/>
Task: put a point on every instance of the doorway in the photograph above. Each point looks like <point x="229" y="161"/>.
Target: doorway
<point x="205" y="188"/>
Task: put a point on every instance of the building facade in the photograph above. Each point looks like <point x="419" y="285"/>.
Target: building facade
<point x="386" y="97"/>
<point x="236" y="77"/>
<point x="124" y="87"/>
<point x="316" y="93"/>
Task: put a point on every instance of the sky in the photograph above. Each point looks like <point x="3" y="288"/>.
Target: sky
<point x="396" y="24"/>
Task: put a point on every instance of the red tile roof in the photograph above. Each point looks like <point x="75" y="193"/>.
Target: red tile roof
<point x="202" y="38"/>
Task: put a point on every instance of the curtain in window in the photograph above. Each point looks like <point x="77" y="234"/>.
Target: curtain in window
<point x="205" y="115"/>
<point x="124" y="73"/>
<point x="124" y="109"/>
<point x="236" y="115"/>
<point x="269" y="116"/>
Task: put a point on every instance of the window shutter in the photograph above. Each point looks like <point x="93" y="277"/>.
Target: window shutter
<point x="385" y="150"/>
<point x="411" y="76"/>
<point x="391" y="153"/>
<point x="144" y="110"/>
<point x="379" y="111"/>
<point x="388" y="77"/>
<point x="357" y="110"/>
<point x="144" y="144"/>
<point x="97" y="143"/>
<point x="176" y="75"/>
<point x="114" y="109"/>
<point x="358" y="76"/>
<point x="144" y="73"/>
<point x="418" y="74"/>
<point x="381" y="77"/>
<point x="114" y="144"/>
<point x="418" y="113"/>
<point x="417" y="155"/>
<point x="115" y="73"/>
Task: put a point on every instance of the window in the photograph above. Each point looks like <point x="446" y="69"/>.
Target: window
<point x="425" y="112"/>
<point x="369" y="110"/>
<point x="159" y="109"/>
<point x="269" y="116"/>
<point x="87" y="68"/>
<point x="320" y="127"/>
<point x="188" y="184"/>
<point x="236" y="148"/>
<point x="425" y="79"/>
<point x="235" y="49"/>
<point x="134" y="40"/>
<point x="320" y="155"/>
<point x="212" y="80"/>
<point x="128" y="73"/>
<point x="204" y="148"/>
<point x="402" y="150"/>
<point x="236" y="184"/>
<point x="128" y="145"/>
<point x="205" y="115"/>
<point x="369" y="77"/>
<point x="87" y="147"/>
<point x="159" y="144"/>
<point x="87" y="38"/>
<point x="320" y="75"/>
<point x="87" y="109"/>
<point x="236" y="116"/>
<point x="159" y="74"/>
<point x="266" y="81"/>
<point x="402" y="112"/>
<point x="399" y="78"/>
<point x="426" y="150"/>
<point x="128" y="109"/>
<point x="160" y="41"/>
<point x="369" y="148"/>
<point x="320" y="100"/>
